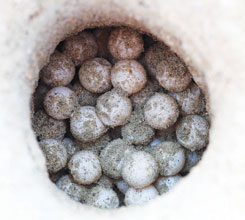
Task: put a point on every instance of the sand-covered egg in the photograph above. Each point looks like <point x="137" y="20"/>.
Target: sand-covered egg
<point x="172" y="73"/>
<point x="170" y="157"/>
<point x="165" y="184"/>
<point x="75" y="191"/>
<point x="80" y="47"/>
<point x="60" y="102"/>
<point x="46" y="127"/>
<point x="125" y="43"/>
<point x="59" y="71"/>
<point x="139" y="169"/>
<point x="55" y="154"/>
<point x="112" y="157"/>
<point x="193" y="132"/>
<point x="95" y="75"/>
<point x="191" y="100"/>
<point x="140" y="196"/>
<point x="85" y="167"/>
<point x="104" y="198"/>
<point x="161" y="111"/>
<point x="128" y="75"/>
<point x="113" y="108"/>
<point x="85" y="124"/>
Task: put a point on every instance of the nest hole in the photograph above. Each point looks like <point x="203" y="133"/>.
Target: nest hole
<point x="118" y="116"/>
